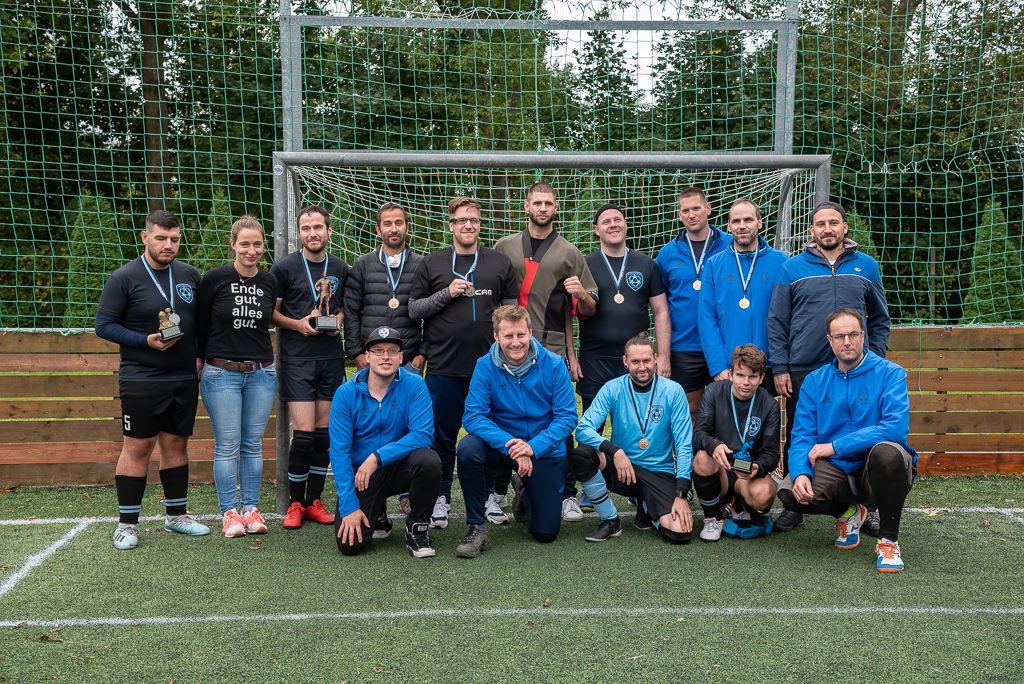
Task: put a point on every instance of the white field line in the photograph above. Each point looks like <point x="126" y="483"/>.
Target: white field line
<point x="1012" y="513"/>
<point x="463" y="613"/>
<point x="35" y="560"/>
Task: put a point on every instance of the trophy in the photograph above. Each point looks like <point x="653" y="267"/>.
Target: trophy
<point x="322" y="320"/>
<point x="169" y="325"/>
<point x="743" y="463"/>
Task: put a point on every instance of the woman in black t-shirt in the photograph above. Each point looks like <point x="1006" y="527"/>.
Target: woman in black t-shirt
<point x="239" y="380"/>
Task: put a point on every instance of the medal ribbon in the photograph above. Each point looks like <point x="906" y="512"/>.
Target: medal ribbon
<point x="736" y="418"/>
<point x="170" y="281"/>
<point x="636" y="406"/>
<point x="309" y="278"/>
<point x="468" y="275"/>
<point x="698" y="266"/>
<point x="393" y="282"/>
<point x="745" y="282"/>
<point x="622" y="269"/>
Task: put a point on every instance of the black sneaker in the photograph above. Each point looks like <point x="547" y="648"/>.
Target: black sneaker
<point x="788" y="520"/>
<point x="382" y="527"/>
<point x="605" y="531"/>
<point x="871" y="523"/>
<point x="418" y="542"/>
<point x="642" y="521"/>
<point x="476" y="542"/>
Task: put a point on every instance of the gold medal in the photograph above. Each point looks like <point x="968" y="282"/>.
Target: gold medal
<point x="696" y="285"/>
<point x="619" y="298"/>
<point x="393" y="302"/>
<point x="744" y="303"/>
<point x="644" y="443"/>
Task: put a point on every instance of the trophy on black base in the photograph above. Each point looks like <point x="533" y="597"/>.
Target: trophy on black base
<point x="743" y="463"/>
<point x="322" y="320"/>
<point x="170" y="328"/>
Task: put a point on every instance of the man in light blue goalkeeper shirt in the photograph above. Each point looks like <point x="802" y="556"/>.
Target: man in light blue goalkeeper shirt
<point x="650" y="450"/>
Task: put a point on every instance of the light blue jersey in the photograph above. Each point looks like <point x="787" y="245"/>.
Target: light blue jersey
<point x="669" y="430"/>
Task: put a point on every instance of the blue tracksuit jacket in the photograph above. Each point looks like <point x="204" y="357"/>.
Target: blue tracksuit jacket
<point x="678" y="274"/>
<point x="853" y="410"/>
<point x="722" y="323"/>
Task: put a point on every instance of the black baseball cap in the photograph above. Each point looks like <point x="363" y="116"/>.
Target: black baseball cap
<point x="607" y="207"/>
<point x="383" y="334"/>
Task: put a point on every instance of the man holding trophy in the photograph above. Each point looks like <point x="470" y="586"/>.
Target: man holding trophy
<point x="308" y="314"/>
<point x="148" y="308"/>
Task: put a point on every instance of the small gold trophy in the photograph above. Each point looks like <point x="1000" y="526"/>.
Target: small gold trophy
<point x="322" y="319"/>
<point x="170" y="328"/>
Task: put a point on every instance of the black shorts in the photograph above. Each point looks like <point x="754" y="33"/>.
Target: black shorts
<point x="149" y="408"/>
<point x="596" y="372"/>
<point x="310" y="379"/>
<point x="690" y="369"/>
<point x="658" y="490"/>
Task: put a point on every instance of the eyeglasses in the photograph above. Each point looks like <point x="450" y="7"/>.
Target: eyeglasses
<point x="381" y="352"/>
<point x="465" y="221"/>
<point x="853" y="337"/>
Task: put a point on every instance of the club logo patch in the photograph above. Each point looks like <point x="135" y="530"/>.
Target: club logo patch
<point x="755" y="426"/>
<point x="184" y="291"/>
<point x="383" y="332"/>
<point x="635" y="280"/>
<point x="334" y="283"/>
<point x="657" y="413"/>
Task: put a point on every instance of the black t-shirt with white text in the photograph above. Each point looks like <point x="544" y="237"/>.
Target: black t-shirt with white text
<point x="604" y="334"/>
<point x="132" y="299"/>
<point x="298" y="301"/>
<point x="235" y="313"/>
<point x="460" y="333"/>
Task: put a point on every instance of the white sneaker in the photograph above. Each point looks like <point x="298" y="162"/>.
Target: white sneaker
<point x="493" y="511"/>
<point x="712" y="531"/>
<point x="254" y="522"/>
<point x="500" y="499"/>
<point x="126" y="537"/>
<point x="233" y="525"/>
<point x="439" y="518"/>
<point x="571" y="511"/>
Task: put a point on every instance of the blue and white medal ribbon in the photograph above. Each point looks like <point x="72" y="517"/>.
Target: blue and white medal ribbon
<point x="736" y="418"/>
<point x="745" y="282"/>
<point x="393" y="282"/>
<point x="617" y="278"/>
<point x="698" y="266"/>
<point x="468" y="275"/>
<point x="309" y="278"/>
<point x="174" y="317"/>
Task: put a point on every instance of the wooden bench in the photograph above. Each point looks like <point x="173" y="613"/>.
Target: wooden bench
<point x="60" y="416"/>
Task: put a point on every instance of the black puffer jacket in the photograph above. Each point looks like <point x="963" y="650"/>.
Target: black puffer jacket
<point x="367" y="292"/>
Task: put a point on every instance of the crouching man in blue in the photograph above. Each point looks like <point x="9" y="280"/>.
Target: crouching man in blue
<point x="519" y="412"/>
<point x="650" y="450"/>
<point x="849" y="444"/>
<point x="382" y="425"/>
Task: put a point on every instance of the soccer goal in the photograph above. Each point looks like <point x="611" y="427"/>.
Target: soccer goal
<point x="351" y="185"/>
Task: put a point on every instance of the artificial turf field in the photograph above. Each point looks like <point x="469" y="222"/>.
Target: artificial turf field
<point x="286" y="607"/>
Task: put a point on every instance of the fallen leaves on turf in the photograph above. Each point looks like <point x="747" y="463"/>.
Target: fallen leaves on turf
<point x="47" y="637"/>
<point x="546" y="604"/>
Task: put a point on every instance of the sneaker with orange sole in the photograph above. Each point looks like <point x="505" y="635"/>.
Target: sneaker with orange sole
<point x="848" y="528"/>
<point x="317" y="513"/>
<point x="254" y="522"/>
<point x="294" y="516"/>
<point x="233" y="525"/>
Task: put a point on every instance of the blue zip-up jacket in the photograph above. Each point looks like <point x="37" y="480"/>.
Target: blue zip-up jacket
<point x="392" y="428"/>
<point x="670" y="431"/>
<point x="807" y="290"/>
<point x="722" y="323"/>
<point x="539" y="407"/>
<point x="853" y="410"/>
<point x="678" y="274"/>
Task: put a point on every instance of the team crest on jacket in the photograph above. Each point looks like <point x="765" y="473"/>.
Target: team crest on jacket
<point x="755" y="426"/>
<point x="184" y="291"/>
<point x="635" y="280"/>
<point x="334" y="283"/>
<point x="657" y="413"/>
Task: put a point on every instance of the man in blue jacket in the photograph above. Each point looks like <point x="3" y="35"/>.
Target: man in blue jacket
<point x="519" y="412"/>
<point x="829" y="274"/>
<point x="649" y="453"/>
<point x="850" y="442"/>
<point x="737" y="292"/>
<point x="682" y="263"/>
<point x="382" y="425"/>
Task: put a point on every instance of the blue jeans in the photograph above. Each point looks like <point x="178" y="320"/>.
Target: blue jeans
<point x="239" y="405"/>
<point x="448" y="395"/>
<point x="542" y="490"/>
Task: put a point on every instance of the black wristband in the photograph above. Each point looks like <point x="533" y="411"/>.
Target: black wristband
<point x="608" y="449"/>
<point x="683" y="488"/>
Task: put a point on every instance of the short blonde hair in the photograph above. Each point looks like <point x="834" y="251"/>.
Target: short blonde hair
<point x="245" y="223"/>
<point x="513" y="313"/>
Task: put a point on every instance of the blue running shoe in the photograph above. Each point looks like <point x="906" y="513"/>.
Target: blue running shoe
<point x="186" y="524"/>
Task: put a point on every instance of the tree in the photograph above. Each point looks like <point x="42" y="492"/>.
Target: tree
<point x="96" y="251"/>
<point x="996" y="294"/>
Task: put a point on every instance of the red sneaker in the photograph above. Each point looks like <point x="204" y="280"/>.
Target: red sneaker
<point x="317" y="513"/>
<point x="294" y="517"/>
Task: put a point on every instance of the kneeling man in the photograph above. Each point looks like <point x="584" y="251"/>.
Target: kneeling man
<point x="849" y="444"/>
<point x="519" y="411"/>
<point x="382" y="425"/>
<point x="737" y="443"/>
<point x="649" y="453"/>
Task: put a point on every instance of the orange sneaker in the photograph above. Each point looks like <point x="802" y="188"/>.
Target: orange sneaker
<point x="233" y="525"/>
<point x="317" y="513"/>
<point x="254" y="522"/>
<point x="294" y="517"/>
